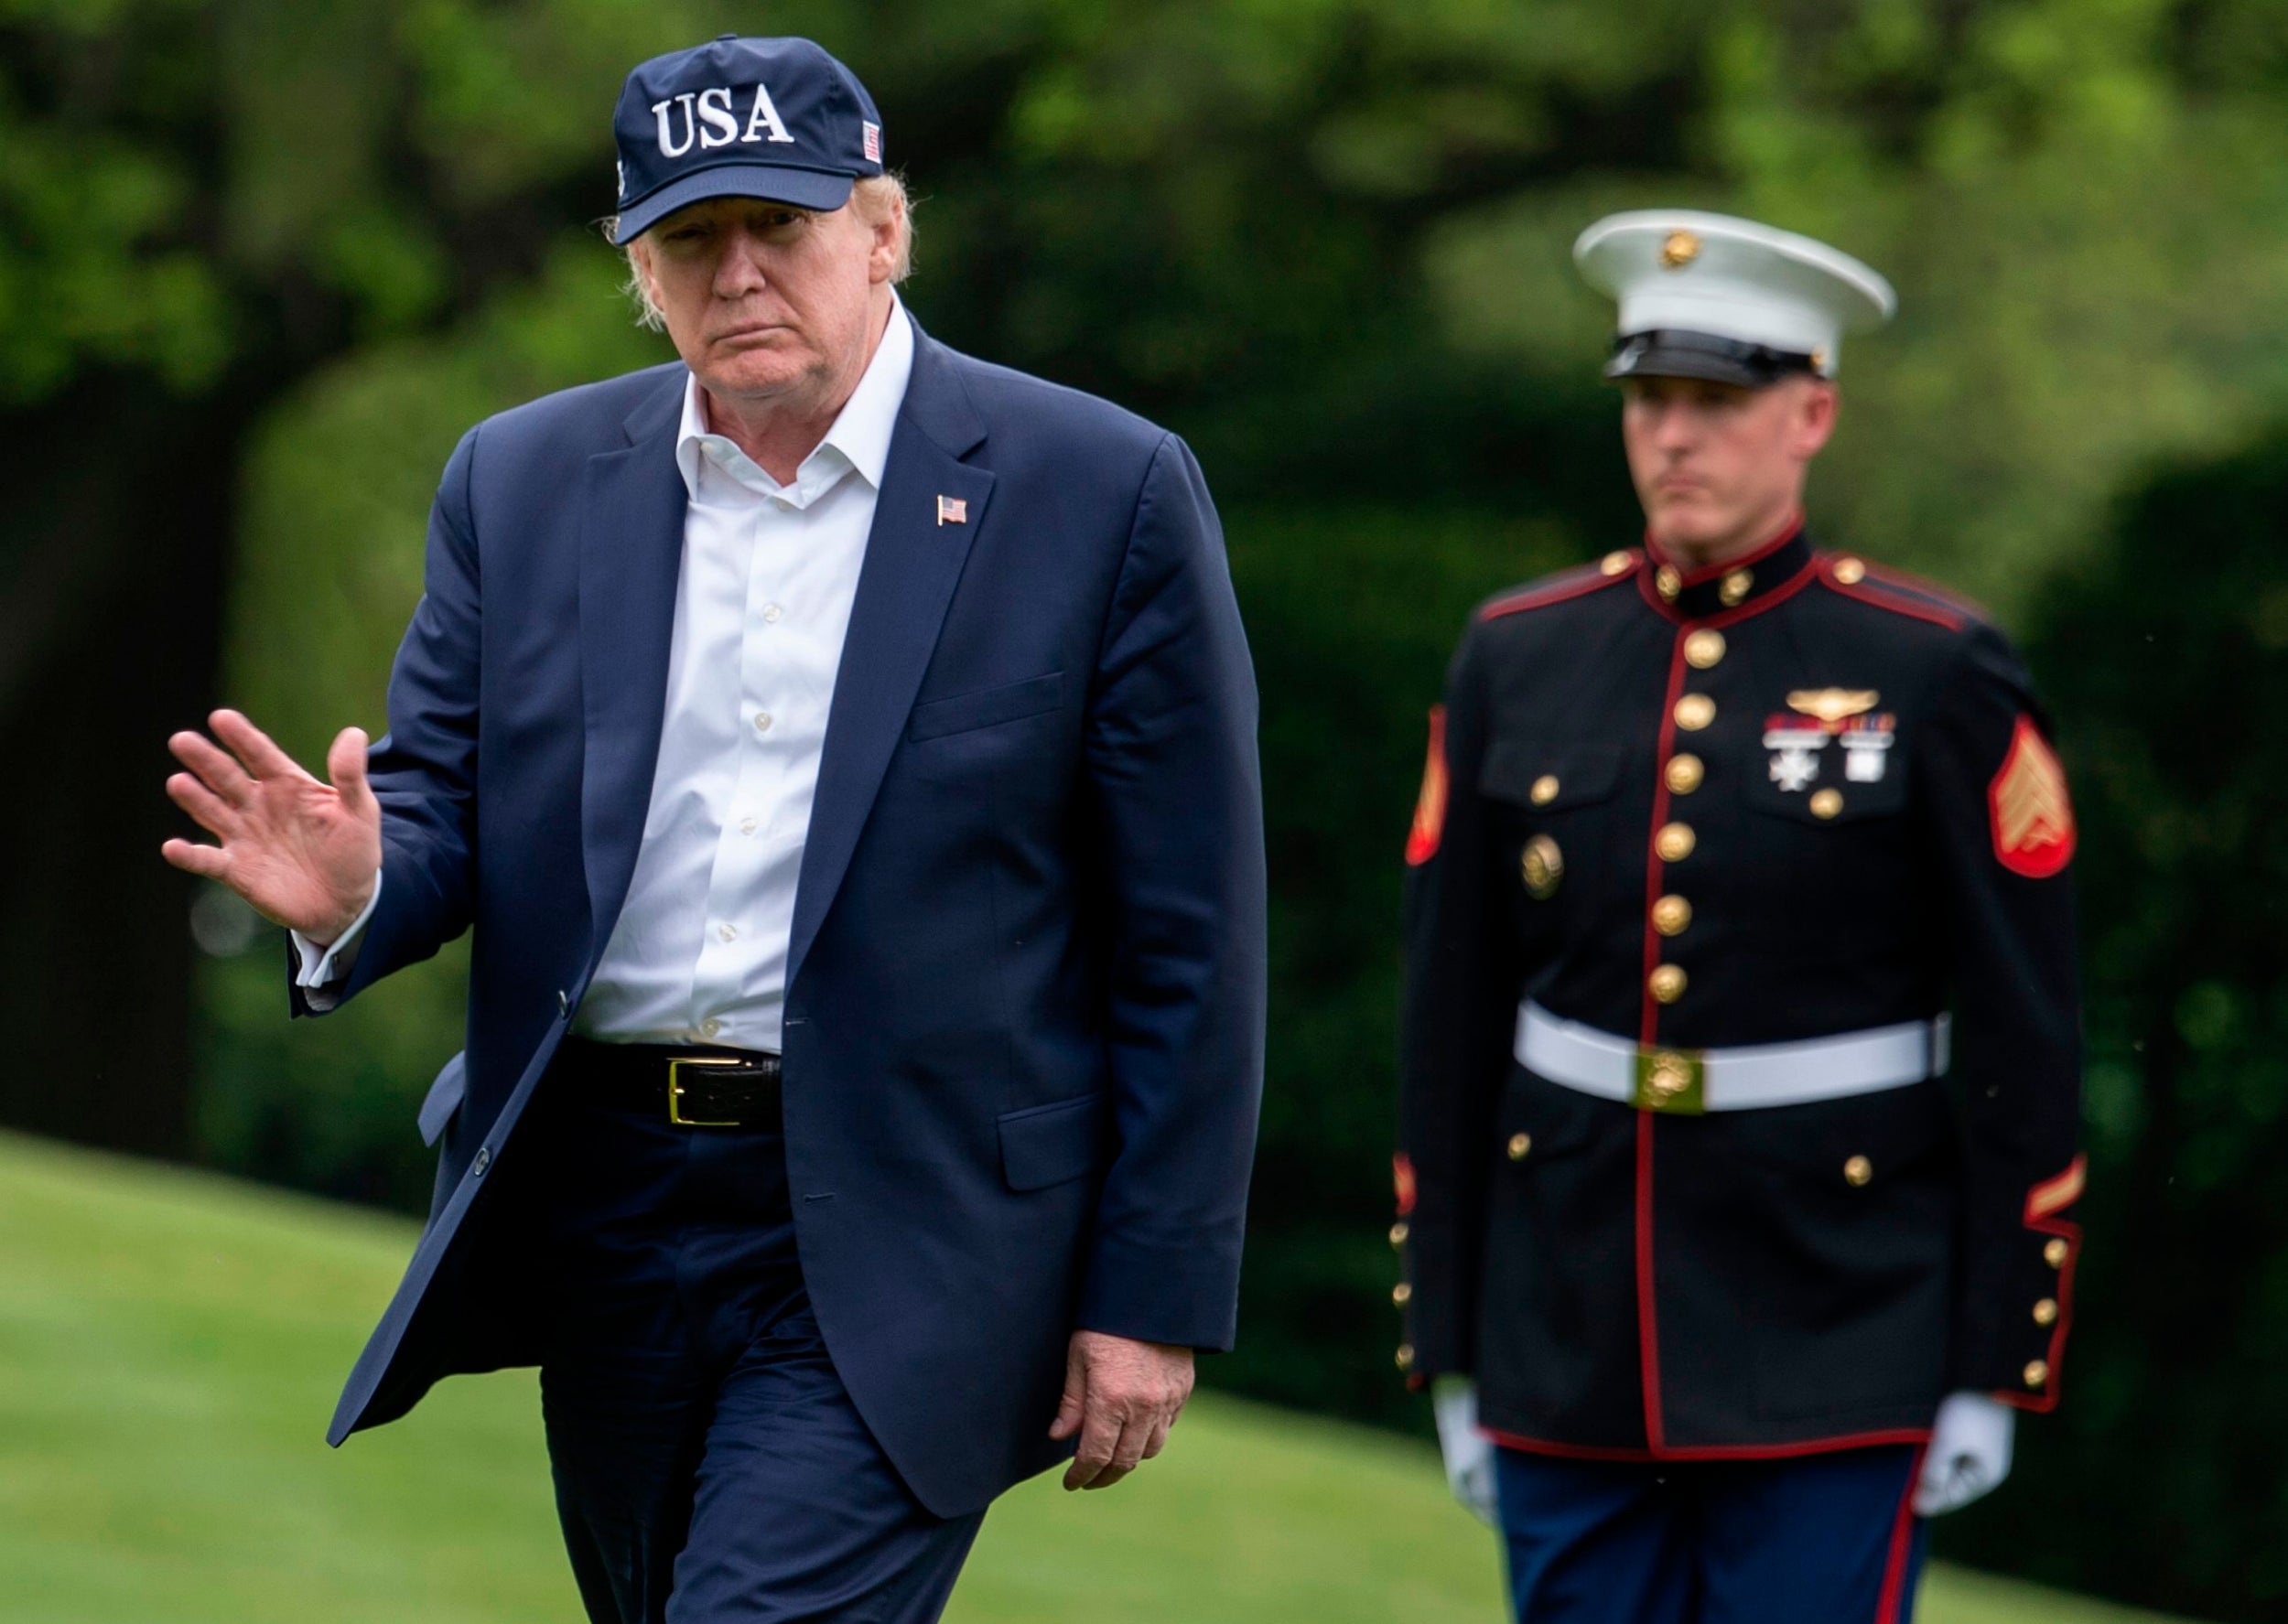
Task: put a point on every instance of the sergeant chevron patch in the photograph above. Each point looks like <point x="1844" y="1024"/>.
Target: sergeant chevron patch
<point x="2033" y="817"/>
<point x="1429" y="807"/>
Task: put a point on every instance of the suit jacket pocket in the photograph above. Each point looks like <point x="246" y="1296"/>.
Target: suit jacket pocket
<point x="986" y="707"/>
<point x="444" y="1098"/>
<point x="1046" y="1145"/>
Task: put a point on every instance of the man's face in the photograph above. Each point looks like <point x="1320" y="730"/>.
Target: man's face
<point x="767" y="302"/>
<point x="1716" y="463"/>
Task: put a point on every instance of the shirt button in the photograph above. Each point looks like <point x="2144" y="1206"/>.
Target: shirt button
<point x="762" y="721"/>
<point x="748" y="826"/>
<point x="771" y="613"/>
<point x="727" y="932"/>
<point x="710" y="1027"/>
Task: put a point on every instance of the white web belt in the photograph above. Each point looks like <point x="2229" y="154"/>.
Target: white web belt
<point x="1749" y="1077"/>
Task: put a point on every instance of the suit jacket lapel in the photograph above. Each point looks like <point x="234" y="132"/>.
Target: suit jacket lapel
<point x="632" y="538"/>
<point x="912" y="564"/>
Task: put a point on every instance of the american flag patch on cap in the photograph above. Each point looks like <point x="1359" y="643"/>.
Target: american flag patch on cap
<point x="872" y="135"/>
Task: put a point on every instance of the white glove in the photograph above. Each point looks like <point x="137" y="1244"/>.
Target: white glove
<point x="1969" y="1455"/>
<point x="1469" y="1453"/>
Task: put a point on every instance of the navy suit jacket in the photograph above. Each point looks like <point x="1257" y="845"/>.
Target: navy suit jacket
<point x="1025" y="1008"/>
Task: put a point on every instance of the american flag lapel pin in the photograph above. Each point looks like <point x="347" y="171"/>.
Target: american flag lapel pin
<point x="953" y="510"/>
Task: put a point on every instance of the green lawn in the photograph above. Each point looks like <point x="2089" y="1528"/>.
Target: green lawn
<point x="170" y="1346"/>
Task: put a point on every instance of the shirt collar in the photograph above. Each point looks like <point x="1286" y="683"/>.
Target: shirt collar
<point x="858" y="441"/>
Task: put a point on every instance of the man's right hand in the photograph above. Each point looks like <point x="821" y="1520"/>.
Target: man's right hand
<point x="302" y="852"/>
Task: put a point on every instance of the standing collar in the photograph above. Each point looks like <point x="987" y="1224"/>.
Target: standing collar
<point x="1738" y="584"/>
<point x="858" y="441"/>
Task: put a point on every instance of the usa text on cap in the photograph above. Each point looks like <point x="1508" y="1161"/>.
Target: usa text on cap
<point x="1708" y="296"/>
<point x="776" y="119"/>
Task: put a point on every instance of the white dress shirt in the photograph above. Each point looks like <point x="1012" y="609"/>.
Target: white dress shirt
<point x="763" y="600"/>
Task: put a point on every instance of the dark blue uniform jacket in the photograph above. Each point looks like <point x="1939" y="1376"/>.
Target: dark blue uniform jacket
<point x="1024" y="1021"/>
<point x="1788" y="800"/>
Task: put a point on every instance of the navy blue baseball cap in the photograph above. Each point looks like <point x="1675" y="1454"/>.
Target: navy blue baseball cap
<point x="777" y="119"/>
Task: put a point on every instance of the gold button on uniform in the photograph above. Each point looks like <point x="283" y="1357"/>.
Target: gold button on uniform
<point x="2054" y="1254"/>
<point x="1685" y="773"/>
<point x="2045" y="1311"/>
<point x="2037" y="1373"/>
<point x="1667" y="583"/>
<point x="1695" y="711"/>
<point x="1667" y="984"/>
<point x="1615" y="562"/>
<point x="1542" y="867"/>
<point x="1736" y="586"/>
<point x="1401" y="1293"/>
<point x="1406" y="1356"/>
<point x="1850" y="571"/>
<point x="1544" y="789"/>
<point x="1704" y="648"/>
<point x="1398" y="1232"/>
<point x="1675" y="842"/>
<point x="1520" y="1145"/>
<point x="1859" y="1172"/>
<point x="1671" y="914"/>
<point x="1826" y="803"/>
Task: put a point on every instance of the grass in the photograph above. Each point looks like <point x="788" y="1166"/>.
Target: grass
<point x="170" y="1346"/>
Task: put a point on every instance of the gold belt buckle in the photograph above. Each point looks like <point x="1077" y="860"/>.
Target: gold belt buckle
<point x="676" y="1094"/>
<point x="1671" y="1080"/>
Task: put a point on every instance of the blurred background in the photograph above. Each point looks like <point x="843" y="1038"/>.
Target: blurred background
<point x="263" y="261"/>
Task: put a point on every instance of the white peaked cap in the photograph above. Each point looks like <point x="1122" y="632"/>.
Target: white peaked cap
<point x="1676" y="270"/>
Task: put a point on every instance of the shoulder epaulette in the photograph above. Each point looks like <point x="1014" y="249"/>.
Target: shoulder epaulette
<point x="1900" y="593"/>
<point x="1574" y="583"/>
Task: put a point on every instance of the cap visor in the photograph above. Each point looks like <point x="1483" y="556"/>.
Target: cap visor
<point x="1666" y="362"/>
<point x="805" y="189"/>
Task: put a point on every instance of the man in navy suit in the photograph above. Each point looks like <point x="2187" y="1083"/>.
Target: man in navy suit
<point x="843" y="751"/>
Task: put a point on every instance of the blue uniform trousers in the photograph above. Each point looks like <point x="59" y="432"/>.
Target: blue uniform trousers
<point x="709" y="1465"/>
<point x="1818" y="1538"/>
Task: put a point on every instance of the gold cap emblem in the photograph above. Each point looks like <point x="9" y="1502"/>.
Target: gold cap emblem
<point x="1679" y="249"/>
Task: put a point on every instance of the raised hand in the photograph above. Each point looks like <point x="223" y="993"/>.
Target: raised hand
<point x="1121" y="1396"/>
<point x="302" y="852"/>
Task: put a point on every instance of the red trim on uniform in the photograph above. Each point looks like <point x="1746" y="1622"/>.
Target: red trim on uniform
<point x="1429" y="806"/>
<point x="1708" y="571"/>
<point x="1864" y="1440"/>
<point x="1578" y="585"/>
<point x="2055" y="1195"/>
<point x="1907" y="582"/>
<point x="1891" y="1603"/>
<point x="1648" y="1018"/>
<point x="1886" y="597"/>
<point x="2043" y="1202"/>
<point x="1402" y="1182"/>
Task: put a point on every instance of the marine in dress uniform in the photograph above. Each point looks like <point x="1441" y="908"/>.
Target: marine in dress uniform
<point x="1739" y="1056"/>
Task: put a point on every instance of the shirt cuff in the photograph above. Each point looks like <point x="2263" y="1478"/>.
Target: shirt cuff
<point x="324" y="964"/>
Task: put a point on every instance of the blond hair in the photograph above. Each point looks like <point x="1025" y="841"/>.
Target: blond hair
<point x="877" y="199"/>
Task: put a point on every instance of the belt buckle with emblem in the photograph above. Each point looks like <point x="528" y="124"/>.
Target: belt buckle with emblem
<point x="1673" y="1081"/>
<point x="676" y="1086"/>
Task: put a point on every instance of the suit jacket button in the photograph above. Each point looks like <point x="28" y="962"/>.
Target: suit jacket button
<point x="2054" y="1253"/>
<point x="1858" y="1172"/>
<point x="484" y="1160"/>
<point x="1397" y="1235"/>
<point x="2045" y="1311"/>
<point x="2037" y="1373"/>
<point x="1520" y="1145"/>
<point x="1402" y="1293"/>
<point x="1406" y="1356"/>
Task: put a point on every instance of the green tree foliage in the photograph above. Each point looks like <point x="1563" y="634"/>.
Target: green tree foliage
<point x="2165" y="655"/>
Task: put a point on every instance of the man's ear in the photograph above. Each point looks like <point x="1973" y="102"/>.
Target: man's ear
<point x="1815" y="419"/>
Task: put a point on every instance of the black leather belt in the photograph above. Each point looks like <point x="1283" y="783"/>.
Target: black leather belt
<point x="693" y="1088"/>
